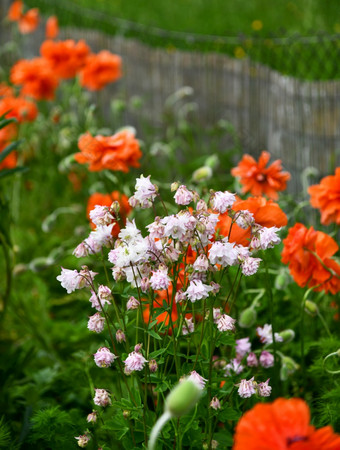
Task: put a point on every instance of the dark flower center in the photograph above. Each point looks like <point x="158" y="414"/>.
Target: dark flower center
<point x="292" y="440"/>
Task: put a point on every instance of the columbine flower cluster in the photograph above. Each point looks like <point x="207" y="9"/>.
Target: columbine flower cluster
<point x="176" y="266"/>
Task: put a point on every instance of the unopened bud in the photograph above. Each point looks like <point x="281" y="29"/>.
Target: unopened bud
<point x="120" y="336"/>
<point x="174" y="186"/>
<point x="115" y="207"/>
<point x="182" y="398"/>
<point x="288" y="367"/>
<point x="287" y="335"/>
<point x="153" y="366"/>
<point x="311" y="308"/>
<point x="247" y="318"/>
<point x="215" y="403"/>
<point x="126" y="413"/>
<point x="138" y="347"/>
<point x="202" y="174"/>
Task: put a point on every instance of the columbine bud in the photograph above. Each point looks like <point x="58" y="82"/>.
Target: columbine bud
<point x="138" y="347"/>
<point x="92" y="417"/>
<point x="311" y="308"/>
<point x="202" y="174"/>
<point x="174" y="186"/>
<point x="182" y="398"/>
<point x="215" y="403"/>
<point x="153" y="366"/>
<point x="213" y="445"/>
<point x="133" y="303"/>
<point x="115" y="207"/>
<point x="145" y="284"/>
<point x="120" y="336"/>
<point x="83" y="440"/>
<point x="126" y="414"/>
<point x="287" y="335"/>
<point x="247" y="318"/>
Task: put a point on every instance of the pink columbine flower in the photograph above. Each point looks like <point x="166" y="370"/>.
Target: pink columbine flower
<point x="72" y="279"/>
<point x="221" y="201"/>
<point x="103" y="297"/>
<point x="159" y="279"/>
<point x="145" y="193"/>
<point x="132" y="303"/>
<point x="183" y="196"/>
<point x="217" y="314"/>
<point x="268" y="237"/>
<point x="243" y="346"/>
<point x="224" y="253"/>
<point x="188" y="326"/>
<point x="215" y="403"/>
<point x="233" y="366"/>
<point x="266" y="336"/>
<point x="266" y="359"/>
<point x="81" y="250"/>
<point x="197" y="290"/>
<point x="244" y="219"/>
<point x="263" y="389"/>
<point x="101" y="215"/>
<point x="153" y="366"/>
<point x="135" y="361"/>
<point x="197" y="379"/>
<point x="96" y="323"/>
<point x="226" y="323"/>
<point x="252" y="360"/>
<point x="247" y="388"/>
<point x="250" y="266"/>
<point x="83" y="440"/>
<point x="92" y="417"/>
<point x="102" y="397"/>
<point x="180" y="296"/>
<point x="201" y="264"/>
<point x="103" y="357"/>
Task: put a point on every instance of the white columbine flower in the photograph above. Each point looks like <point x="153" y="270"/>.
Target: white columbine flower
<point x="197" y="290"/>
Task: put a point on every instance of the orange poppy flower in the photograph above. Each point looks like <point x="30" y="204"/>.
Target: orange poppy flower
<point x="15" y="10"/>
<point x="282" y="425"/>
<point x="117" y="152"/>
<point x="29" y="21"/>
<point x="18" y="107"/>
<point x="326" y="197"/>
<point x="52" y="27"/>
<point x="106" y="200"/>
<point x="36" y="77"/>
<point x="258" y="179"/>
<point x="162" y="295"/>
<point x="66" y="58"/>
<point x="308" y="253"/>
<point x="100" y="69"/>
<point x="8" y="133"/>
<point x="266" y="213"/>
<point x="5" y="90"/>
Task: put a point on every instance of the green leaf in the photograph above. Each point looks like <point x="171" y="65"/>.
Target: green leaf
<point x="225" y="338"/>
<point x="9" y="149"/>
<point x="154" y="334"/>
<point x="156" y="353"/>
<point x="229" y="414"/>
<point x="8" y="172"/>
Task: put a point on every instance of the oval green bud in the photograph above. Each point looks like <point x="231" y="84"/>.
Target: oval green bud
<point x="182" y="398"/>
<point x="202" y="174"/>
<point x="311" y="308"/>
<point x="247" y="318"/>
<point x="287" y="335"/>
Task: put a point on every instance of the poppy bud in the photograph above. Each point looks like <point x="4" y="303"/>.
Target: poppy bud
<point x="247" y="317"/>
<point x="182" y="398"/>
<point x="311" y="308"/>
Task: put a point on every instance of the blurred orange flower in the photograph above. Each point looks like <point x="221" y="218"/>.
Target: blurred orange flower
<point x="100" y="69"/>
<point x="282" y="425"/>
<point x="326" y="197"/>
<point x="106" y="200"/>
<point x="8" y="133"/>
<point x="117" y="152"/>
<point x="6" y="90"/>
<point x="29" y="21"/>
<point x="258" y="179"/>
<point x="52" y="27"/>
<point x="15" y="10"/>
<point x="308" y="253"/>
<point x="36" y="77"/>
<point x="66" y="58"/>
<point x="19" y="108"/>
<point x="266" y="213"/>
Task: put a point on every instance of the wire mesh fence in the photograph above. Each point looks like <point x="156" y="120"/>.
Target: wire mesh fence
<point x="280" y="94"/>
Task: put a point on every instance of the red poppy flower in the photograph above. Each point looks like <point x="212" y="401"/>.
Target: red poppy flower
<point x="36" y="78"/>
<point x="308" y="253"/>
<point x="258" y="179"/>
<point x="66" y="58"/>
<point x="5" y="90"/>
<point x="52" y="27"/>
<point x="100" y="70"/>
<point x="18" y="107"/>
<point x="8" y="133"/>
<point x="29" y="21"/>
<point x="15" y="10"/>
<point x="282" y="425"/>
<point x="117" y="152"/>
<point x="326" y="197"/>
<point x="106" y="200"/>
<point x="266" y="213"/>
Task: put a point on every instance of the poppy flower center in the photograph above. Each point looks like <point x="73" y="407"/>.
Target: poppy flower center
<point x="292" y="440"/>
<point x="260" y="177"/>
